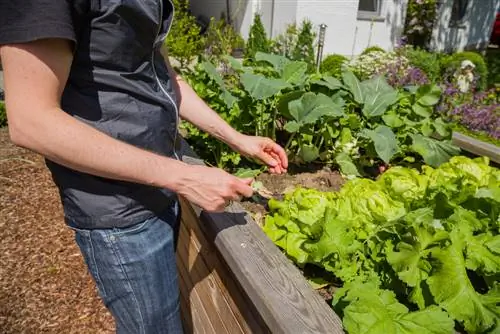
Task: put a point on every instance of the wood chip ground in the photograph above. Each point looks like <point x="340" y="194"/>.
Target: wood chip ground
<point x="44" y="284"/>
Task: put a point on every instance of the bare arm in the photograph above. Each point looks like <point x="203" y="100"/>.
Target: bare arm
<point x="194" y="110"/>
<point x="35" y="75"/>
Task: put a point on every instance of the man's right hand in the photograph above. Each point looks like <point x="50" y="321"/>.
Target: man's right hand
<point x="212" y="188"/>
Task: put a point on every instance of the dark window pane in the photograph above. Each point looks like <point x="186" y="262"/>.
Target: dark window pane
<point x="459" y="9"/>
<point x="368" y="5"/>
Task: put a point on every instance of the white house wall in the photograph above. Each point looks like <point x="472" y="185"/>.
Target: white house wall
<point x="473" y="33"/>
<point x="345" y="34"/>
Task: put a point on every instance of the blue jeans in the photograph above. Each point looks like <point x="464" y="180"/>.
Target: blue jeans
<point x="135" y="271"/>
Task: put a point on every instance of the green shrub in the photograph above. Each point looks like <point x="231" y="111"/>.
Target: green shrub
<point x="221" y="39"/>
<point x="3" y="115"/>
<point x="452" y="63"/>
<point x="304" y="49"/>
<point x="332" y="65"/>
<point x="429" y="62"/>
<point x="257" y="39"/>
<point x="184" y="41"/>
<point x="284" y="44"/>
<point x="372" y="49"/>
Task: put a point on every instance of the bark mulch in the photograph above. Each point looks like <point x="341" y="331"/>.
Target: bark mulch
<point x="44" y="284"/>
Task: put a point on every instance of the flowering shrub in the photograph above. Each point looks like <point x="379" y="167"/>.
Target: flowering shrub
<point x="419" y="21"/>
<point x="367" y="65"/>
<point x="398" y="76"/>
<point x="478" y="111"/>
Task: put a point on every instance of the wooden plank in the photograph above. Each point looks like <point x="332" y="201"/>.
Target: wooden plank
<point x="221" y="315"/>
<point x="242" y="306"/>
<point x="201" y="322"/>
<point x="279" y="291"/>
<point x="477" y="147"/>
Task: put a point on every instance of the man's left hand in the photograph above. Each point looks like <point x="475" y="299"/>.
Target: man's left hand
<point x="265" y="150"/>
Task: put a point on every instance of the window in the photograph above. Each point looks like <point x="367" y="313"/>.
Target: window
<point x="370" y="6"/>
<point x="459" y="11"/>
<point x="369" y="10"/>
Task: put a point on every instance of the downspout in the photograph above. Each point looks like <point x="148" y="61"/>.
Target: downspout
<point x="228" y="13"/>
<point x="272" y="19"/>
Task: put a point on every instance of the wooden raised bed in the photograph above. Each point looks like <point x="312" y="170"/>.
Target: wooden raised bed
<point x="233" y="279"/>
<point x="476" y="147"/>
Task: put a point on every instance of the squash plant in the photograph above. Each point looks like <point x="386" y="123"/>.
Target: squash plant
<point x="356" y="125"/>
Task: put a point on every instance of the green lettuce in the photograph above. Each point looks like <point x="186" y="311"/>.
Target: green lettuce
<point x="431" y="238"/>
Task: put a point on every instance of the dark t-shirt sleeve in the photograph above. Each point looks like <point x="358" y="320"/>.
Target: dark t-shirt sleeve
<point x="29" y="20"/>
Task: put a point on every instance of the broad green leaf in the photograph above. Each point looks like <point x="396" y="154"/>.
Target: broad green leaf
<point x="228" y="98"/>
<point x="234" y="63"/>
<point x="393" y="120"/>
<point x="212" y="73"/>
<point x="427" y="129"/>
<point x="329" y="82"/>
<point x="308" y="152"/>
<point x="441" y="127"/>
<point x="428" y="95"/>
<point x="376" y="84"/>
<point x="410" y="261"/>
<point x="421" y="110"/>
<point x="346" y="164"/>
<point x="294" y="72"/>
<point x="375" y="311"/>
<point x="277" y="61"/>
<point x="311" y="107"/>
<point x="433" y="151"/>
<point x="376" y="104"/>
<point x="483" y="253"/>
<point x="377" y="96"/>
<point x="452" y="290"/>
<point x="385" y="142"/>
<point x="259" y="87"/>
<point x="284" y="101"/>
<point x="353" y="85"/>
<point x="292" y="126"/>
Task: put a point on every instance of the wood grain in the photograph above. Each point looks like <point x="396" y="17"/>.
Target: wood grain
<point x="477" y="147"/>
<point x="241" y="306"/>
<point x="280" y="293"/>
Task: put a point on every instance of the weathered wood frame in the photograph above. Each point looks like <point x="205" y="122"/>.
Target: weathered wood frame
<point x="262" y="289"/>
<point x="476" y="147"/>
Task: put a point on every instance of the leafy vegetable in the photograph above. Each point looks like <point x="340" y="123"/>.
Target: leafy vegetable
<point x="404" y="245"/>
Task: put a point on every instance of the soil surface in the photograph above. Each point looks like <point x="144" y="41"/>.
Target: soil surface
<point x="323" y="179"/>
<point x="44" y="284"/>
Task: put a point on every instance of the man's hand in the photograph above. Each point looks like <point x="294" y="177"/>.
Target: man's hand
<point x="212" y="188"/>
<point x="265" y="150"/>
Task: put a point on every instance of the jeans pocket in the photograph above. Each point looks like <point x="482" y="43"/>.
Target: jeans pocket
<point x="132" y="229"/>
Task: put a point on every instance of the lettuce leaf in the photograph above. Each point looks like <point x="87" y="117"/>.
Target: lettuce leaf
<point x="453" y="291"/>
<point x="372" y="310"/>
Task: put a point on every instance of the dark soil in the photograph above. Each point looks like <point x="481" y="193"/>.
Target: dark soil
<point x="323" y="179"/>
<point x="44" y="284"/>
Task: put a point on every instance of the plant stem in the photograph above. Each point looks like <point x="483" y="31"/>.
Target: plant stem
<point x="289" y="142"/>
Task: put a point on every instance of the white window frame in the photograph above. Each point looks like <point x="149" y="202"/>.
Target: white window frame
<point x="371" y="15"/>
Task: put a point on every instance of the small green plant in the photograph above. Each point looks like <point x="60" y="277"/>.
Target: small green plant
<point x="3" y="115"/>
<point x="184" y="41"/>
<point x="452" y="63"/>
<point x="221" y="40"/>
<point x="332" y="65"/>
<point x="372" y="49"/>
<point x="304" y="49"/>
<point x="429" y="62"/>
<point x="257" y="39"/>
